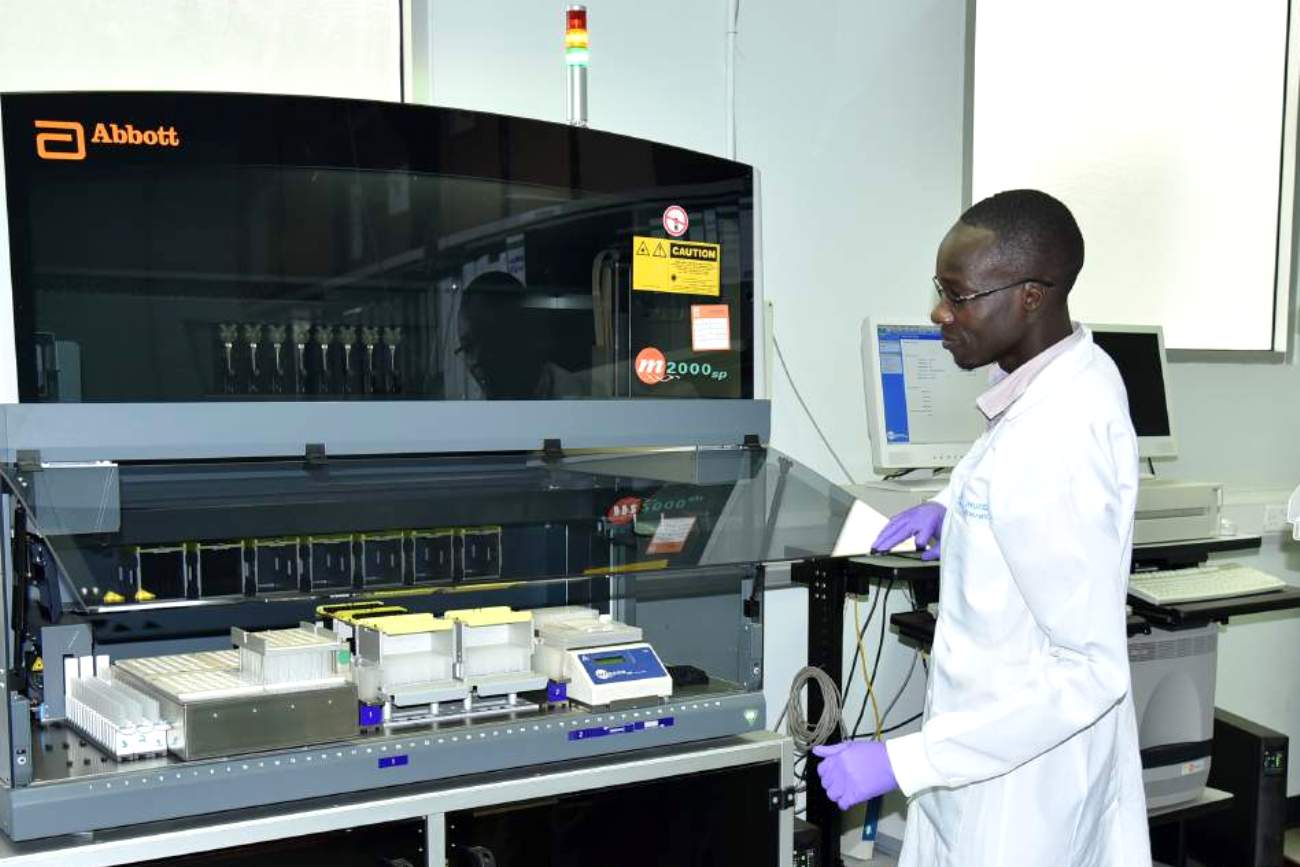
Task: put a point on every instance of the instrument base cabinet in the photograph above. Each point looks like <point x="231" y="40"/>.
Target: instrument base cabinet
<point x="706" y="804"/>
<point x="392" y="844"/>
<point x="715" y="818"/>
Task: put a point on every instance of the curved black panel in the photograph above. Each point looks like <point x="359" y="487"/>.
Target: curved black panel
<point x="194" y="247"/>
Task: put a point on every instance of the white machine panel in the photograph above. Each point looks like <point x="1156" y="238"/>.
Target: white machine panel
<point x="602" y="675"/>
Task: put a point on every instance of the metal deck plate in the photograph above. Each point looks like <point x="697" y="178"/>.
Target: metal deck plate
<point x="87" y="797"/>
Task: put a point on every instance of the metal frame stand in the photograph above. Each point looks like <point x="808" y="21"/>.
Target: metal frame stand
<point x="828" y="582"/>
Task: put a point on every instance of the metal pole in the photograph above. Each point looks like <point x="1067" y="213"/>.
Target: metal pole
<point x="577" y="96"/>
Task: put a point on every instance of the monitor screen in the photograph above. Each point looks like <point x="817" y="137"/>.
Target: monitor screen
<point x="1140" y="360"/>
<point x="927" y="397"/>
<point x="923" y="411"/>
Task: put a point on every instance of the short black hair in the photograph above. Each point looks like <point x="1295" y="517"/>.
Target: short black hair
<point x="1036" y="228"/>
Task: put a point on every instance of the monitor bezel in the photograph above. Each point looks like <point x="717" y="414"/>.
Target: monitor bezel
<point x="1149" y="446"/>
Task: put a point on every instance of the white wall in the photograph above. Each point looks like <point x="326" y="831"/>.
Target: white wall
<point x="657" y="69"/>
<point x="313" y="47"/>
<point x="853" y="114"/>
<point x="1237" y="422"/>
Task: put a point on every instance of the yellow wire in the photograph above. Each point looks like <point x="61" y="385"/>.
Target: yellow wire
<point x="866" y="678"/>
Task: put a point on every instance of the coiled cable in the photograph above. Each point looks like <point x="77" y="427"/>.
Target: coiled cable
<point x="806" y="737"/>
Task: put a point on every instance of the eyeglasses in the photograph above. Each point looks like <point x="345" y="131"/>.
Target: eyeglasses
<point x="958" y="300"/>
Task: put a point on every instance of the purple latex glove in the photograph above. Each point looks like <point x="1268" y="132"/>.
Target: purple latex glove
<point x="923" y="523"/>
<point x="855" y="772"/>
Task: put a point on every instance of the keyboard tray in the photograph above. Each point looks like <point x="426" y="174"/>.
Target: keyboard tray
<point x="1189" y="614"/>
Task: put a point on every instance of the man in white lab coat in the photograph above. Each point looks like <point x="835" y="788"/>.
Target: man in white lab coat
<point x="1028" y="752"/>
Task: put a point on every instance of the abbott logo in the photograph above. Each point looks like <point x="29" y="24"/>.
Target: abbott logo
<point x="61" y="140"/>
<point x="126" y="134"/>
<point x="66" y="139"/>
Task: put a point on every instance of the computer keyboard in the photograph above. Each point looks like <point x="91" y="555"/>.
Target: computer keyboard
<point x="1212" y="581"/>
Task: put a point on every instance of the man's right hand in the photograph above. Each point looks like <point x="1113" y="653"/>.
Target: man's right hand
<point x="922" y="523"/>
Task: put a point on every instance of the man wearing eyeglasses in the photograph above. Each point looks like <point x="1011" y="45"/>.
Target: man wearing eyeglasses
<point x="1028" y="752"/>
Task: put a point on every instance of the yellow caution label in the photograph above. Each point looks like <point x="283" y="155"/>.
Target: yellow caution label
<point x="679" y="267"/>
<point x="38" y="666"/>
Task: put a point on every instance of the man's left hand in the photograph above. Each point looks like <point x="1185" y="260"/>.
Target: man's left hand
<point x="855" y="772"/>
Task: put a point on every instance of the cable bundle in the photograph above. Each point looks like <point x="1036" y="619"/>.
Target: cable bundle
<point x="806" y="737"/>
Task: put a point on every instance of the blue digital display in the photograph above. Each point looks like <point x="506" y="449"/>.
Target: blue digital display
<point x="893" y="382"/>
<point x="615" y="666"/>
<point x="394" y="761"/>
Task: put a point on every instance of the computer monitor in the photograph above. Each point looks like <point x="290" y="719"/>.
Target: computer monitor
<point x="921" y="408"/>
<point x="1139" y="353"/>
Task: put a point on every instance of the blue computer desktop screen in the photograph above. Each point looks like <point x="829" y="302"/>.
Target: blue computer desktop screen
<point x="893" y="381"/>
<point x="926" y="398"/>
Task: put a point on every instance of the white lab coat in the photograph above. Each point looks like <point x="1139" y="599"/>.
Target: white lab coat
<point x="1028" y="753"/>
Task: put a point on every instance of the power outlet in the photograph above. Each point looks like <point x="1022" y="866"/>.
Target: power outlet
<point x="1275" y="518"/>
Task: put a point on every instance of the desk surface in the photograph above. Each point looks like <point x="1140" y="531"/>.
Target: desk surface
<point x="910" y="568"/>
<point x="897" y="566"/>
<point x="1183" y="615"/>
<point x="918" y="626"/>
<point x="1215" y="545"/>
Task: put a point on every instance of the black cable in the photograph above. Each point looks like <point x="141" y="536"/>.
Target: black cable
<point x="904" y="723"/>
<point x="893" y="728"/>
<point x="884" y="623"/>
<point x="902" y="688"/>
<point x="884" y="627"/>
<point x="1151" y="465"/>
<point x="911" y="596"/>
<point x="801" y="774"/>
<point x="867" y="736"/>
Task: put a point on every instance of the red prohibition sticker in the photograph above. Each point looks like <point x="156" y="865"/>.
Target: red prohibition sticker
<point x="651" y="366"/>
<point x="624" y="510"/>
<point x="675" y="221"/>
